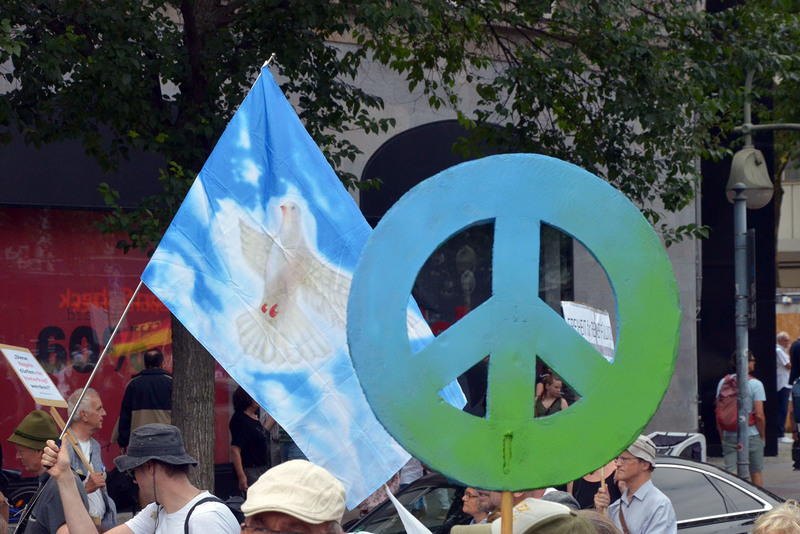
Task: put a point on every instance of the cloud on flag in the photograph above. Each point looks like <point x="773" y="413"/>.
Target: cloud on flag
<point x="257" y="265"/>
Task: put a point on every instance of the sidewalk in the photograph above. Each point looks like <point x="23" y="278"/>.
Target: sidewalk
<point x="779" y="476"/>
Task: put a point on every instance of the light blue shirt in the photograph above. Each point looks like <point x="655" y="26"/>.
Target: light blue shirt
<point x="648" y="512"/>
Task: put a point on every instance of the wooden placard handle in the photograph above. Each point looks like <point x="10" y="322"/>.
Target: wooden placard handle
<point x="71" y="438"/>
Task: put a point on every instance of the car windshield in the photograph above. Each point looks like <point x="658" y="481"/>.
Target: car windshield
<point x="438" y="508"/>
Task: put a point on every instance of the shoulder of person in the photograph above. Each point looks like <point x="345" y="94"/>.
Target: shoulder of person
<point x="210" y="511"/>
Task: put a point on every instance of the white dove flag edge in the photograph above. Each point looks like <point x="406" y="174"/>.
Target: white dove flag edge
<point x="264" y="165"/>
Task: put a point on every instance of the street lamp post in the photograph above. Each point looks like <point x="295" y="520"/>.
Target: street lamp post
<point x="740" y="269"/>
<point x="749" y="187"/>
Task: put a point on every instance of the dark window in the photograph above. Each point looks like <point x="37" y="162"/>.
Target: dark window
<point x="436" y="507"/>
<point x="736" y="499"/>
<point x="695" y="495"/>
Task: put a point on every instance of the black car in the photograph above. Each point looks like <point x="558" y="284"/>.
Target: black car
<point x="705" y="498"/>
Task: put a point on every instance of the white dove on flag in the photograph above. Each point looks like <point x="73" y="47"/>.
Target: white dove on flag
<point x="305" y="296"/>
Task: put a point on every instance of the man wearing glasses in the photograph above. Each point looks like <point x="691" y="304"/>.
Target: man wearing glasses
<point x="295" y="497"/>
<point x="160" y="466"/>
<point x="643" y="508"/>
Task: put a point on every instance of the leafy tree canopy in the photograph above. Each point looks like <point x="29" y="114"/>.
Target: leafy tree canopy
<point x="166" y="77"/>
<point x="634" y="91"/>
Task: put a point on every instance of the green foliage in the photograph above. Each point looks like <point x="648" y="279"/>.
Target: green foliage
<point x="633" y="91"/>
<point x="166" y="77"/>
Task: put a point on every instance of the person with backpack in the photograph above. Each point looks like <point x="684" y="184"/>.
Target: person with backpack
<point x="160" y="466"/>
<point x="725" y="410"/>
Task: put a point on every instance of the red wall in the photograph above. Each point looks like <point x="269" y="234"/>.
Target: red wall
<point x="55" y="266"/>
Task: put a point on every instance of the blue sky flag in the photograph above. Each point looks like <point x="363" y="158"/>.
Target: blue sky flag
<point x="257" y="265"/>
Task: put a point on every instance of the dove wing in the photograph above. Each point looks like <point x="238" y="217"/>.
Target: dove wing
<point x="256" y="246"/>
<point x="328" y="289"/>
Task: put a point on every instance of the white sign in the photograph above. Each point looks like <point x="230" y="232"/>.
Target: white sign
<point x="593" y="324"/>
<point x="35" y="379"/>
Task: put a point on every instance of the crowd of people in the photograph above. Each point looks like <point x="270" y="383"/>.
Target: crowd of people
<point x="619" y="497"/>
<point x="297" y="496"/>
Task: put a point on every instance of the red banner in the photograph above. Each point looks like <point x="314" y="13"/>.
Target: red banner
<point x="64" y="287"/>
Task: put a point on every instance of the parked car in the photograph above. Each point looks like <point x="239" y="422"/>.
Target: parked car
<point x="706" y="499"/>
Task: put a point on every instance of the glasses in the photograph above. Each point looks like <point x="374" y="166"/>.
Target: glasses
<point x="625" y="459"/>
<point x="246" y="528"/>
<point x="470" y="495"/>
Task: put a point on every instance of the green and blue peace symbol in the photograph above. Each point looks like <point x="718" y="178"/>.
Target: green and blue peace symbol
<point x="509" y="449"/>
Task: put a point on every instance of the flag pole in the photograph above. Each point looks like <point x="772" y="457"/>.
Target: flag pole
<point x="506" y="507"/>
<point x="99" y="361"/>
<point x="22" y="525"/>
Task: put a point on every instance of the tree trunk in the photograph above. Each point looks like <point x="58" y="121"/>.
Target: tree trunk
<point x="193" y="401"/>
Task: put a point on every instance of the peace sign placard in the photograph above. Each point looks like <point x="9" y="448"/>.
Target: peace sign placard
<point x="509" y="449"/>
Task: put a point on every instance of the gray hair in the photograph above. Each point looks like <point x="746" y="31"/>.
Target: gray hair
<point x="86" y="403"/>
<point x="783" y="336"/>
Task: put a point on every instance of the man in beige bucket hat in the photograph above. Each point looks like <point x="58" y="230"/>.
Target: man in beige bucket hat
<point x="643" y="508"/>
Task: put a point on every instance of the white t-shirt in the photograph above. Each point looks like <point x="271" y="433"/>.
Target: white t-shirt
<point x="97" y="507"/>
<point x="782" y="374"/>
<point x="207" y="518"/>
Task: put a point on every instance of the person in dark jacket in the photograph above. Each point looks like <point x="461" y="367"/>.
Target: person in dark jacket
<point x="147" y="399"/>
<point x="249" y="439"/>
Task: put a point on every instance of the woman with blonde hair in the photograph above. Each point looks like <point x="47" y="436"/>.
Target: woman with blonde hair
<point x="785" y="519"/>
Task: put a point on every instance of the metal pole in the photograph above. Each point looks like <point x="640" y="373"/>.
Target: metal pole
<point x="97" y="364"/>
<point x="740" y="267"/>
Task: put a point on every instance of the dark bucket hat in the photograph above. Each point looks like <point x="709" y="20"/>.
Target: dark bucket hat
<point x="34" y="431"/>
<point x="154" y="442"/>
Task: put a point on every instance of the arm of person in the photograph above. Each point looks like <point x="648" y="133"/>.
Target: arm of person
<point x="269" y="422"/>
<point x="236" y="456"/>
<point x="564" y="404"/>
<point x="758" y="409"/>
<point x="78" y="520"/>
